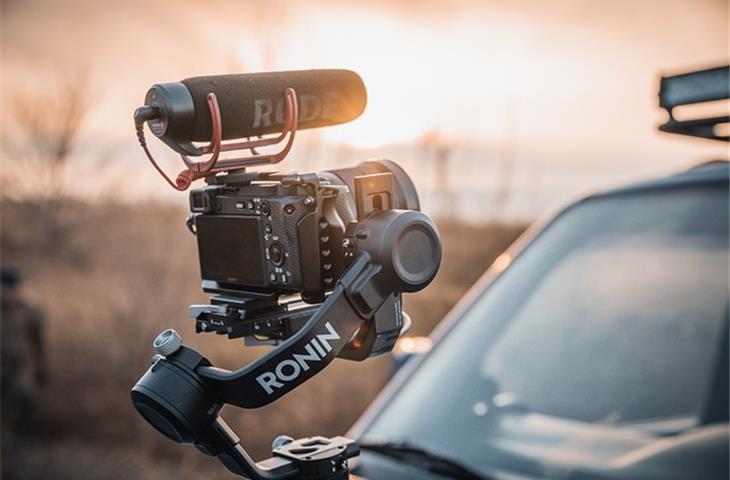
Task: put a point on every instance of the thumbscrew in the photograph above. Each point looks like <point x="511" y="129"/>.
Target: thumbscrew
<point x="168" y="342"/>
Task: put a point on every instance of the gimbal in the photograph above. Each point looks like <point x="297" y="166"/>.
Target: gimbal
<point x="355" y="266"/>
<point x="181" y="394"/>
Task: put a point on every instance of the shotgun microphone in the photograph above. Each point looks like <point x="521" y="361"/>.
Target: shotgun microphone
<point x="250" y="104"/>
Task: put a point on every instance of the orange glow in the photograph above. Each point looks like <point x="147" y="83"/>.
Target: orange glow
<point x="535" y="101"/>
<point x="409" y="345"/>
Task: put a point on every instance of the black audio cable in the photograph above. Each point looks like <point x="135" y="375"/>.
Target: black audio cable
<point x="141" y="115"/>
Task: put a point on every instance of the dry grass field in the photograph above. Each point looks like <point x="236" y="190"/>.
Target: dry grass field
<point x="110" y="277"/>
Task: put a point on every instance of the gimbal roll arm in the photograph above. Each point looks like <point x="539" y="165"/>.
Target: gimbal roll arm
<point x="354" y="300"/>
<point x="385" y="246"/>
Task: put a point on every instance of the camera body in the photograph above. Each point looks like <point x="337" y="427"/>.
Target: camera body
<point x="268" y="234"/>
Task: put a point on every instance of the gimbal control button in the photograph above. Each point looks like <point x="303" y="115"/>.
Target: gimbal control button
<point x="168" y="342"/>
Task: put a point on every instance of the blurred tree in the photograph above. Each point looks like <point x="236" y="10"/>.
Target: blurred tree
<point x="39" y="135"/>
<point x="39" y="140"/>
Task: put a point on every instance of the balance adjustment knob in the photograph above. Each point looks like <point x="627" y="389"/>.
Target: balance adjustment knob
<point x="168" y="342"/>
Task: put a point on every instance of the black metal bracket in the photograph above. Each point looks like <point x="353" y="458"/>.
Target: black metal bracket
<point x="311" y="458"/>
<point x="692" y="88"/>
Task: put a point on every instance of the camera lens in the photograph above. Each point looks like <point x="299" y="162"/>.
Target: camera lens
<point x="276" y="254"/>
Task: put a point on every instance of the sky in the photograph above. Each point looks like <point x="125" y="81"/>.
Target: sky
<point x="536" y="102"/>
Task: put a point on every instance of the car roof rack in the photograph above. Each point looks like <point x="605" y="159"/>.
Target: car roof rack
<point x="692" y="88"/>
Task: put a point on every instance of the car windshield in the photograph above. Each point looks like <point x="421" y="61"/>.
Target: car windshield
<point x="611" y="318"/>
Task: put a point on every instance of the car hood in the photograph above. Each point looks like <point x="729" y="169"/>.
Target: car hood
<point x="532" y="445"/>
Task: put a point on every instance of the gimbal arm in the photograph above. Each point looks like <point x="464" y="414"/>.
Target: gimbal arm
<point x="355" y="299"/>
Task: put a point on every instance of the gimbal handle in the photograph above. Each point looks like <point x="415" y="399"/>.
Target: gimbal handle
<point x="354" y="300"/>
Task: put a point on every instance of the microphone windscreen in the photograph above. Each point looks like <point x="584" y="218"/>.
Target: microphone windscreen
<point x="254" y="104"/>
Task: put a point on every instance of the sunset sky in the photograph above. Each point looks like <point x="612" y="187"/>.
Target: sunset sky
<point x="552" y="98"/>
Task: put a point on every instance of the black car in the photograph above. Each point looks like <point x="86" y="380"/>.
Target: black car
<point x="595" y="348"/>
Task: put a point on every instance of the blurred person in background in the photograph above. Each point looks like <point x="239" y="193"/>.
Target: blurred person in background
<point x="22" y="363"/>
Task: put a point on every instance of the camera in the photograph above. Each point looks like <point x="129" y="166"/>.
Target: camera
<point x="266" y="234"/>
<point x="273" y="246"/>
